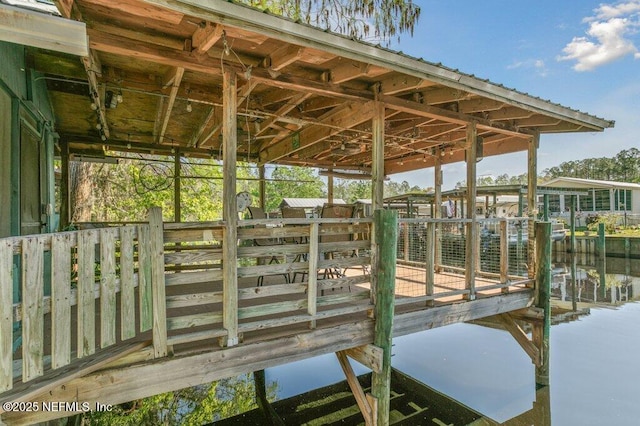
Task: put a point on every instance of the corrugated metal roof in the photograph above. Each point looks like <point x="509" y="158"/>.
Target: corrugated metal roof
<point x="569" y="182"/>
<point x="308" y="203"/>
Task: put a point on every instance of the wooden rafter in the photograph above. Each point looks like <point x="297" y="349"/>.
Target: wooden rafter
<point x="348" y="71"/>
<point x="282" y="57"/>
<point x="205" y="37"/>
<point x="346" y="116"/>
<point x="174" y="79"/>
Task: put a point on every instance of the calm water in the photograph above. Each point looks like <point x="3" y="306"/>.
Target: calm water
<point x="595" y="378"/>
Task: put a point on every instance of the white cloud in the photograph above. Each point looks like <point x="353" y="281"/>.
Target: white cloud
<point x="537" y="64"/>
<point x="610" y="36"/>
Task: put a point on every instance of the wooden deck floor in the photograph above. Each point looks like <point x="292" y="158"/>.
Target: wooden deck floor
<point x="137" y="375"/>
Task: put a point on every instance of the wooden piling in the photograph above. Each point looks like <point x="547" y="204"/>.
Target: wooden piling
<point x="543" y="294"/>
<point x="386" y="223"/>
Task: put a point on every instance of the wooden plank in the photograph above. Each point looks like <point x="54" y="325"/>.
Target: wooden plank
<point x="431" y="259"/>
<point x="196" y="299"/>
<point x="157" y="282"/>
<point x="504" y="253"/>
<point x="108" y="287"/>
<point x="189" y="235"/>
<point x="6" y="320"/>
<point x="521" y="337"/>
<point x="198" y="336"/>
<point x="336" y="299"/>
<point x="195" y="256"/>
<point x="79" y="368"/>
<point x="144" y="278"/>
<point x="368" y="355"/>
<point x="194" y="320"/>
<point x="271" y="290"/>
<point x="312" y="295"/>
<point x="229" y="207"/>
<point x="60" y="300"/>
<point x="357" y="391"/>
<point x="85" y="293"/>
<point x="32" y="316"/>
<point x="271" y="308"/>
<point x="127" y="289"/>
<point x="194" y="277"/>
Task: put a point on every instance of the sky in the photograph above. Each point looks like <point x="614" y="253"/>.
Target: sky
<point x="582" y="54"/>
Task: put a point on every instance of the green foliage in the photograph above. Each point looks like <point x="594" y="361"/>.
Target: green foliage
<point x="610" y="221"/>
<point x="624" y="167"/>
<point x="359" y="19"/>
<point x="191" y="406"/>
<point x="292" y="182"/>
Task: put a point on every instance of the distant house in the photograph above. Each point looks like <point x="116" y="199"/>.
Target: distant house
<point x="622" y="198"/>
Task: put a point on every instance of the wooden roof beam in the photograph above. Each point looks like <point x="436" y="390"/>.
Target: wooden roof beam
<point x="509" y="113"/>
<point x="282" y="57"/>
<point x="175" y="79"/>
<point x="348" y="71"/>
<point x="205" y="37"/>
<point x="443" y="95"/>
<point x="478" y="104"/>
<point x="349" y="115"/>
<point x="210" y="66"/>
<point x="398" y="83"/>
<point x="284" y="110"/>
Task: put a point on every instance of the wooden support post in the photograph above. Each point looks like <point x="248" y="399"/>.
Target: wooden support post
<point x="405" y="240"/>
<point x="430" y="262"/>
<point x="504" y="254"/>
<point x="532" y="199"/>
<point x="330" y="187"/>
<point x="262" y="187"/>
<point x="472" y="235"/>
<point x="229" y="208"/>
<point x="377" y="183"/>
<point x="437" y="200"/>
<point x="386" y="222"/>
<point x="543" y="295"/>
<point x="156" y="243"/>
<point x="6" y="316"/>
<point x="545" y="207"/>
<point x="356" y="389"/>
<point x="65" y="200"/>
<point x="177" y="172"/>
<point x="312" y="289"/>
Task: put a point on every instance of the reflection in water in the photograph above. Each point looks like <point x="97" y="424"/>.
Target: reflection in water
<point x="593" y="375"/>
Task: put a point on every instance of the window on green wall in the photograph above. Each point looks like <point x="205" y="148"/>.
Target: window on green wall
<point x="603" y="201"/>
<point x="586" y="202"/>
<point x="623" y="199"/>
<point x="554" y="203"/>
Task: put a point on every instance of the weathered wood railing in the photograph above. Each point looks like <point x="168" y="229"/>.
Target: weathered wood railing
<point x="271" y="255"/>
<point x="438" y="248"/>
<point x="100" y="284"/>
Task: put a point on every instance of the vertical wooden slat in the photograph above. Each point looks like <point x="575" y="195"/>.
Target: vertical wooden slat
<point x="157" y="282"/>
<point x="229" y="207"/>
<point x="127" y="289"/>
<point x="312" y="291"/>
<point x="32" y="308"/>
<point x="430" y="261"/>
<point x="107" y="287"/>
<point x="470" y="246"/>
<point x="405" y="245"/>
<point x="144" y="278"/>
<point x="86" y="298"/>
<point x="6" y="321"/>
<point x="60" y="300"/>
<point x="504" y="254"/>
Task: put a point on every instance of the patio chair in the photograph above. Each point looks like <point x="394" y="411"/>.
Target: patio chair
<point x="296" y="213"/>
<point x="258" y="213"/>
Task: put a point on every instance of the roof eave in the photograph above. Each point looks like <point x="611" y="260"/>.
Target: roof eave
<point x="229" y="13"/>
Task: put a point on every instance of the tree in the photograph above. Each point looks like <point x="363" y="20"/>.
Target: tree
<point x="295" y="182"/>
<point x="359" y="19"/>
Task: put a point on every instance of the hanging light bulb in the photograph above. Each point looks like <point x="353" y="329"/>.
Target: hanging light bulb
<point x="451" y="152"/>
<point x="442" y="153"/>
<point x="94" y="106"/>
<point x="103" y="137"/>
<point x="98" y="126"/>
<point x="119" y="98"/>
<point x="189" y="107"/>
